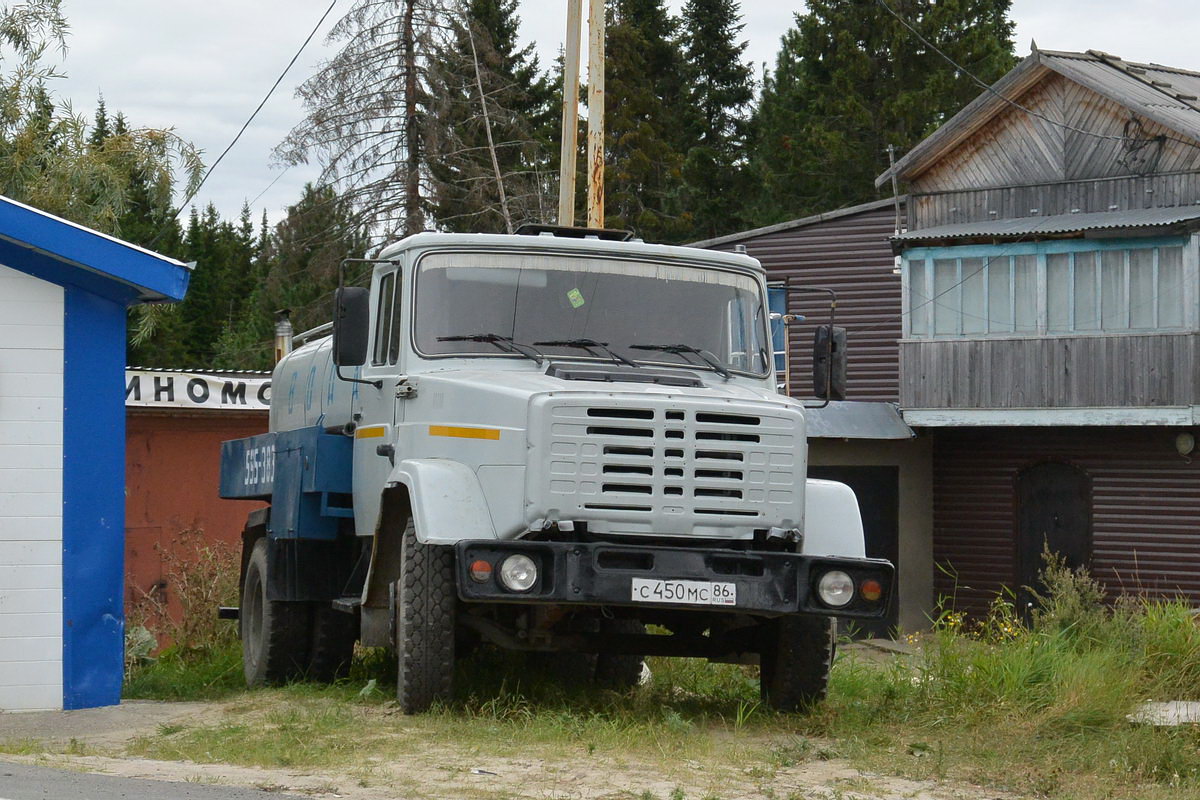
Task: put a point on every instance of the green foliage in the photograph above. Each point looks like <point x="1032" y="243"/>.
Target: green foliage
<point x="644" y="96"/>
<point x="849" y="80"/>
<point x="521" y="108"/>
<point x="1039" y="708"/>
<point x="722" y="89"/>
<point x="296" y="270"/>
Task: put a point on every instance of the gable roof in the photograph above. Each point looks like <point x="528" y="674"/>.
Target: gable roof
<point x="63" y="252"/>
<point x="1166" y="95"/>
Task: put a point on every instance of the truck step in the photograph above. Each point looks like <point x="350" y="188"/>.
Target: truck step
<point x="228" y="612"/>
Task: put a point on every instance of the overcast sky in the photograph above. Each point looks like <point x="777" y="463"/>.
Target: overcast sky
<point x="202" y="67"/>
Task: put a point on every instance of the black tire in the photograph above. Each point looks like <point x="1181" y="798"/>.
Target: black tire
<point x="425" y="597"/>
<point x="795" y="656"/>
<point x="568" y="668"/>
<point x="332" y="648"/>
<point x="619" y="671"/>
<point x="275" y="634"/>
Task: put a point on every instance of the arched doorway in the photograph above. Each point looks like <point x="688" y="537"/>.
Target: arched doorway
<point x="1054" y="511"/>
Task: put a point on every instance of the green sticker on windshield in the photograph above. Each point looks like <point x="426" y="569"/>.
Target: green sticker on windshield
<point x="576" y="298"/>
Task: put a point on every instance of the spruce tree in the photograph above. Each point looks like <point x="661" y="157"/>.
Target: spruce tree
<point x="644" y="137"/>
<point x="850" y="79"/>
<point x="721" y="91"/>
<point x="297" y="270"/>
<point x="490" y="151"/>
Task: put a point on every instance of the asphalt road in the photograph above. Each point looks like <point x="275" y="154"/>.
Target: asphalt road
<point x="21" y="782"/>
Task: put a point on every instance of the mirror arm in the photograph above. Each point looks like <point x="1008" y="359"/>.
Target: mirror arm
<point x="378" y="384"/>
<point x="832" y="323"/>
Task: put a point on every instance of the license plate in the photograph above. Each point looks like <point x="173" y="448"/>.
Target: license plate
<point x="697" y="593"/>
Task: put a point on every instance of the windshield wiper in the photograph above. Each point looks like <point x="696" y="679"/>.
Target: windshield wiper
<point x="504" y="343"/>
<point x="591" y="345"/>
<point x="680" y="349"/>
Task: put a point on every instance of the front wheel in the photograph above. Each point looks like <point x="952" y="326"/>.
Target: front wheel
<point x="794" y="659"/>
<point x="274" y="633"/>
<point x="423" y="610"/>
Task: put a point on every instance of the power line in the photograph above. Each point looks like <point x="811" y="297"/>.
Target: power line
<point x="254" y="114"/>
<point x="989" y="88"/>
<point x="269" y="185"/>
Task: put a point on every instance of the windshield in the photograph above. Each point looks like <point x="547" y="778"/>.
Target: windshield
<point x="554" y="298"/>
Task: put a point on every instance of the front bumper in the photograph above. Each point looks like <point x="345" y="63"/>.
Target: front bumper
<point x="595" y="573"/>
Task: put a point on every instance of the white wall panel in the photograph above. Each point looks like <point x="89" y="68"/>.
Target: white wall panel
<point x="31" y="413"/>
<point x="14" y="625"/>
<point x="31" y="698"/>
<point x="34" y="456"/>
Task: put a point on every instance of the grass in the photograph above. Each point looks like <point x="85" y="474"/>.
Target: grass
<point x="1039" y="709"/>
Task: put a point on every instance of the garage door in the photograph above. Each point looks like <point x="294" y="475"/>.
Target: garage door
<point x="31" y="414"/>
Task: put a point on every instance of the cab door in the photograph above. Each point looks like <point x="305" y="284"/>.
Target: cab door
<point x="375" y="434"/>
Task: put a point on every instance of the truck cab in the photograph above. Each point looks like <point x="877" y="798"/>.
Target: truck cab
<point x="544" y="442"/>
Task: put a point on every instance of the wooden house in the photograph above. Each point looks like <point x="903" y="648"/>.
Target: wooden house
<point x="1051" y="313"/>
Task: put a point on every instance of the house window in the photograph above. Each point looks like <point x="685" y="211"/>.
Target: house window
<point x="1068" y="287"/>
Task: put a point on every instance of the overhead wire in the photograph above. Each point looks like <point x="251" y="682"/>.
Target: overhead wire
<point x="254" y="113"/>
<point x="1024" y="109"/>
<point x="992" y="90"/>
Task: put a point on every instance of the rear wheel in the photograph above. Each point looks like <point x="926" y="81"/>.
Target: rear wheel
<point x="423" y="609"/>
<point x="274" y="633"/>
<point x="795" y="656"/>
<point x="619" y="671"/>
<point x="333" y="636"/>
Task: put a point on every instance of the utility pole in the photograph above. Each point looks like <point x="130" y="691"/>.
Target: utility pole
<point x="595" y="140"/>
<point x="570" y="116"/>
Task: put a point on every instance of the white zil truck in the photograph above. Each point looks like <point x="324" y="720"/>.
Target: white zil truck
<point x="546" y="442"/>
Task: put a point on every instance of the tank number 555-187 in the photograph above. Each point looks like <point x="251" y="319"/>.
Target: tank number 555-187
<point x="260" y="465"/>
<point x="701" y="593"/>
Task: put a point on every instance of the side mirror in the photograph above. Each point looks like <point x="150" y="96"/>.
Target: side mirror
<point x="351" y="317"/>
<point x="829" y="363"/>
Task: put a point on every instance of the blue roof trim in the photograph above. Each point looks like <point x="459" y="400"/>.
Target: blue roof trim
<point x="142" y="274"/>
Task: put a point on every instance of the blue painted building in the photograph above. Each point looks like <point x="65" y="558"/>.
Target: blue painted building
<point x="64" y="294"/>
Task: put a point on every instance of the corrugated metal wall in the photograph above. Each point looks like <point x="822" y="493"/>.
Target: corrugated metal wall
<point x="852" y="256"/>
<point x="1145" y="508"/>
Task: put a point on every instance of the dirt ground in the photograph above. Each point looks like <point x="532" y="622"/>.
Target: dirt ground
<point x="445" y="771"/>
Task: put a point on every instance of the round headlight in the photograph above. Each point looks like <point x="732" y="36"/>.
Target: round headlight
<point x="835" y="588"/>
<point x="518" y="573"/>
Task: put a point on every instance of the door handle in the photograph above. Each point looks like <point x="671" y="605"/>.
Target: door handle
<point x="387" y="450"/>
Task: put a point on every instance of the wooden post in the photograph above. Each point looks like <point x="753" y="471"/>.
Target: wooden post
<point x="570" y="116"/>
<point x="596" y="114"/>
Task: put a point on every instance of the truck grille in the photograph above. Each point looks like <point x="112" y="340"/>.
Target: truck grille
<point x="668" y="469"/>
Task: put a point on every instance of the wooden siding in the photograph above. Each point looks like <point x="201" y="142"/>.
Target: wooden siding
<point x="1051" y="372"/>
<point x="1065" y="197"/>
<point x="1145" y="508"/>
<point x="852" y="256"/>
<point x="1022" y="151"/>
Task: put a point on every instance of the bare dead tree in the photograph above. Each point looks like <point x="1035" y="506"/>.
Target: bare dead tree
<point x="365" y="125"/>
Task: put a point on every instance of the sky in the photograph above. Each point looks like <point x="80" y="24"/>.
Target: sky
<point x="203" y="67"/>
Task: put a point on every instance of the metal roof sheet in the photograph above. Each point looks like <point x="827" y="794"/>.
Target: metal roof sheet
<point x="1167" y="95"/>
<point x="856" y="420"/>
<point x="1056" y="224"/>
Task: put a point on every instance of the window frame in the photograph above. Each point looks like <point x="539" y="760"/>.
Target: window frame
<point x="1011" y="251"/>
